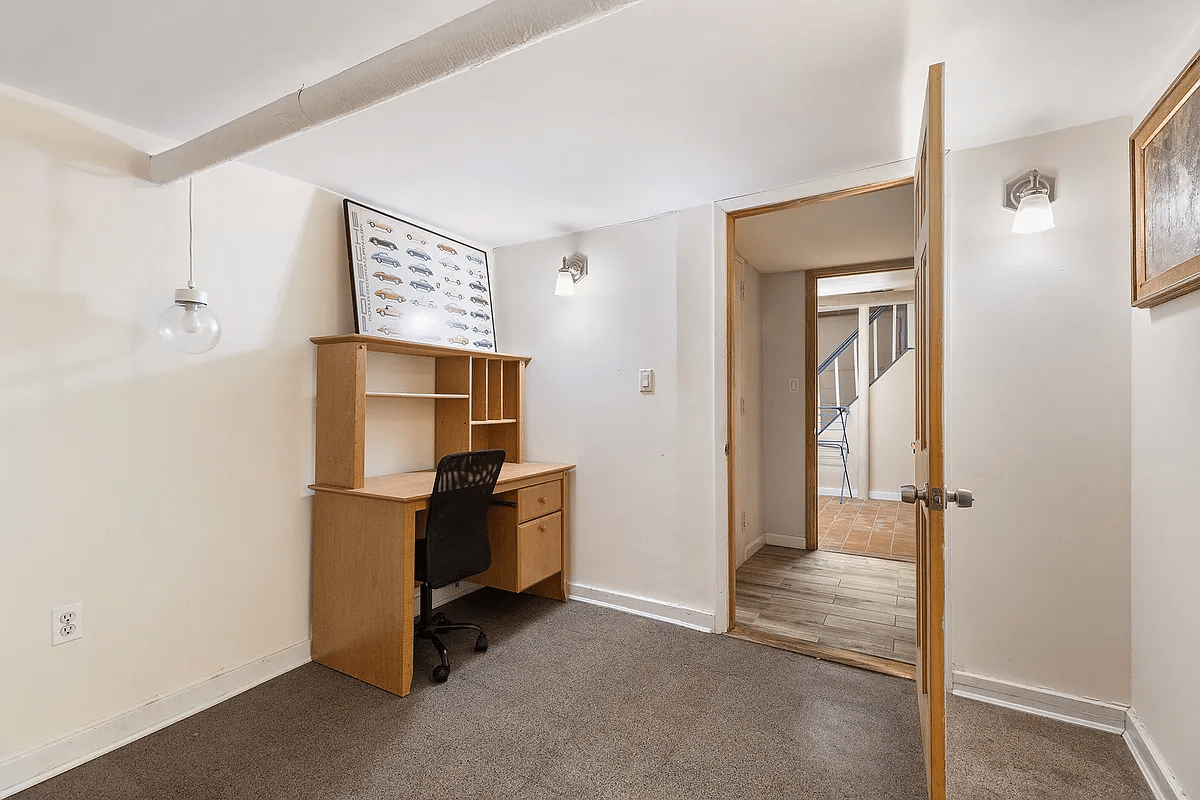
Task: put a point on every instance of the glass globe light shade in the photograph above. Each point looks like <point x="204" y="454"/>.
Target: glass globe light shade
<point x="1033" y="214"/>
<point x="188" y="326"/>
<point x="565" y="287"/>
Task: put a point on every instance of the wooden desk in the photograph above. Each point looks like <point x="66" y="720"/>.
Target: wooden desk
<point x="363" y="551"/>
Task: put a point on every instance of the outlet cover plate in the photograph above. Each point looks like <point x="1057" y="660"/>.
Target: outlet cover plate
<point x="66" y="623"/>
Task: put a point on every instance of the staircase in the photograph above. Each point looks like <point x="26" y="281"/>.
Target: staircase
<point x="837" y="378"/>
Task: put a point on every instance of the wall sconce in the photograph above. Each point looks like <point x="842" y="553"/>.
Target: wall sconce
<point x="573" y="270"/>
<point x="1030" y="195"/>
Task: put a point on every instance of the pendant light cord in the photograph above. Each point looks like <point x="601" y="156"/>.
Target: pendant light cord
<point x="191" y="281"/>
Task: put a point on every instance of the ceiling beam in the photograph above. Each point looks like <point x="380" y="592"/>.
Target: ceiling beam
<point x="484" y="35"/>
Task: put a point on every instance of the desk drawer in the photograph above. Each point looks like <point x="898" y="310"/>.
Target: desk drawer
<point x="539" y="549"/>
<point x="537" y="501"/>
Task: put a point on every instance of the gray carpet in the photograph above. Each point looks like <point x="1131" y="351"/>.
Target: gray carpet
<point x="574" y="701"/>
<point x="571" y="701"/>
<point x="999" y="754"/>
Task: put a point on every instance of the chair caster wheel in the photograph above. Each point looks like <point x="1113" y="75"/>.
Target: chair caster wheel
<point x="481" y="644"/>
<point x="440" y="673"/>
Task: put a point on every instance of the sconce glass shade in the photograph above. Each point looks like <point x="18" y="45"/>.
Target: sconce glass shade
<point x="188" y="326"/>
<point x="565" y="287"/>
<point x="1034" y="214"/>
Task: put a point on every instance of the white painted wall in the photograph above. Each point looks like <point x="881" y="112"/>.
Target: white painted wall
<point x="1166" y="544"/>
<point x="783" y="410"/>
<point x="749" y="383"/>
<point x="644" y="492"/>
<point x="1166" y="548"/>
<point x="892" y="423"/>
<point x="1039" y="568"/>
<point x="167" y="492"/>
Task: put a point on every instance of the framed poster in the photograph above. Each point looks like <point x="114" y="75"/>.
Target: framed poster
<point x="1165" y="166"/>
<point x="414" y="285"/>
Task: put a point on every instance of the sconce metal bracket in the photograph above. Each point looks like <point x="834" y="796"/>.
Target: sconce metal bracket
<point x="1022" y="185"/>
<point x="577" y="265"/>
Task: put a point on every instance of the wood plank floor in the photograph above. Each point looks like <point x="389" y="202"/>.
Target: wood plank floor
<point x="881" y="528"/>
<point x="851" y="602"/>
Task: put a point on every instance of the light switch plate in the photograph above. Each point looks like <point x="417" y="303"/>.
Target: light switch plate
<point x="794" y="385"/>
<point x="646" y="381"/>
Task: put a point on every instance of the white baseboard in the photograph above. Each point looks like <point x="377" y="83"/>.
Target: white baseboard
<point x="1083" y="711"/>
<point x="645" y="607"/>
<point x="22" y="770"/>
<point x="754" y="546"/>
<point x="874" y="495"/>
<point x="835" y="492"/>
<point x="783" y="540"/>
<point x="1162" y="781"/>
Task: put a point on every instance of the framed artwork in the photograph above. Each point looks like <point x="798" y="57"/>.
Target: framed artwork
<point x="1165" y="167"/>
<point x="414" y="285"/>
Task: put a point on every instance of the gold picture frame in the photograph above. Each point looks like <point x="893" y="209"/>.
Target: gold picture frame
<point x="1164" y="156"/>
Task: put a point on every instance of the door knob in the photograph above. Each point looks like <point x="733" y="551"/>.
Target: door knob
<point x="963" y="498"/>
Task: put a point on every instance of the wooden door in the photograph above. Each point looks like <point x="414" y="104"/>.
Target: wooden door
<point x="929" y="456"/>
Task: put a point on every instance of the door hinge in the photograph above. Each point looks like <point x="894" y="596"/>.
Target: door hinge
<point x="937" y="499"/>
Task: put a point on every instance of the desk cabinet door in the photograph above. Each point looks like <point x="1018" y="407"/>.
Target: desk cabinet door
<point x="539" y="549"/>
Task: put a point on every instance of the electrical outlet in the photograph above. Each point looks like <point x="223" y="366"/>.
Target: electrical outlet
<point x="66" y="623"/>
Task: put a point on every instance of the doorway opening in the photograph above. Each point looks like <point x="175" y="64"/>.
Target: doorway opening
<point x="865" y="411"/>
<point x="821" y="303"/>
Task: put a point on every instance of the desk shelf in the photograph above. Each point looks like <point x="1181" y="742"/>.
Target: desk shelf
<point x="420" y="396"/>
<point x="479" y="403"/>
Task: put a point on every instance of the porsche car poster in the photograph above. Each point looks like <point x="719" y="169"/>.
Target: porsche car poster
<point x="414" y="285"/>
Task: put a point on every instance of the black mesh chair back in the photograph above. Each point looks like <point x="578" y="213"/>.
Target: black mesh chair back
<point x="456" y="534"/>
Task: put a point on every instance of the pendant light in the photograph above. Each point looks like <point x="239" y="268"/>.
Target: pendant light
<point x="188" y="325"/>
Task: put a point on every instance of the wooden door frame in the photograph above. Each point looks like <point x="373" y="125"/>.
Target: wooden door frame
<point x="810" y="358"/>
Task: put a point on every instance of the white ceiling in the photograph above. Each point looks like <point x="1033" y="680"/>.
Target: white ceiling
<point x="180" y="68"/>
<point x="854" y="230"/>
<point x="665" y="105"/>
<point x="895" y="281"/>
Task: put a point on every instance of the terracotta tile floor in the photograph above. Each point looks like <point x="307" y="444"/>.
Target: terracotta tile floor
<point x="882" y="528"/>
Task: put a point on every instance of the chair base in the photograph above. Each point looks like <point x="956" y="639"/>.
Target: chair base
<point x="430" y="626"/>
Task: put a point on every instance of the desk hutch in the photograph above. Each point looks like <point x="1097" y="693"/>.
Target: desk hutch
<point x="364" y="528"/>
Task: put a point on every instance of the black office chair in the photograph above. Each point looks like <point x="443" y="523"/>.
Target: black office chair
<point x="456" y="544"/>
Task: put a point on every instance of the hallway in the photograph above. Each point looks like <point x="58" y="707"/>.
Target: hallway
<point x="841" y="600"/>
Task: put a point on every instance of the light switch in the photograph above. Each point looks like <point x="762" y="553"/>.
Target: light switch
<point x="794" y="385"/>
<point x="646" y="376"/>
